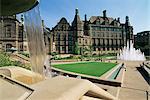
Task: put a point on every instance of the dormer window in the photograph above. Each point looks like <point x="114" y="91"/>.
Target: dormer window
<point x="98" y="22"/>
<point x="106" y="22"/>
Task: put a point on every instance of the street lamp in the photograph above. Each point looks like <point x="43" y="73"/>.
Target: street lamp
<point x="99" y="52"/>
<point x="82" y="49"/>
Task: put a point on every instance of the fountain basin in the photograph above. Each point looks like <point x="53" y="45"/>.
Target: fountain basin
<point x="69" y="89"/>
<point x="16" y="6"/>
<point x="131" y="63"/>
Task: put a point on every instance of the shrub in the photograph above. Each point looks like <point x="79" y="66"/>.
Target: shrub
<point x="25" y="54"/>
<point x="4" y="60"/>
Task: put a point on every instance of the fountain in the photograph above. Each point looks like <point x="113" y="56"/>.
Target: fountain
<point x="130" y="53"/>
<point x="33" y="26"/>
<point x="39" y="60"/>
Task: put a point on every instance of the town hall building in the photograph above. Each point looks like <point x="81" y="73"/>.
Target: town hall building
<point x="100" y="34"/>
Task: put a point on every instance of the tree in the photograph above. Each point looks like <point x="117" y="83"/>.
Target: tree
<point x="91" y="49"/>
<point x="87" y="51"/>
<point x="77" y="49"/>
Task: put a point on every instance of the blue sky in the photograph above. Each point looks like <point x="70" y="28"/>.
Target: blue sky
<point x="137" y="10"/>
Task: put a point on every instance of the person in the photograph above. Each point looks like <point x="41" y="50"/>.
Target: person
<point x="123" y="66"/>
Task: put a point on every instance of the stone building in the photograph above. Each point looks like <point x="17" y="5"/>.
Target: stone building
<point x="99" y="34"/>
<point x="47" y="39"/>
<point x="142" y="41"/>
<point x="11" y="34"/>
<point x="63" y="37"/>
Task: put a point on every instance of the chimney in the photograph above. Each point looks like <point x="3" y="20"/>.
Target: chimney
<point x="22" y="19"/>
<point x="118" y="19"/>
<point x="104" y="13"/>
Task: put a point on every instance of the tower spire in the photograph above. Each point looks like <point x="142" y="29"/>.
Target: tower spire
<point x="127" y="18"/>
<point x="127" y="21"/>
<point x="85" y="17"/>
<point x="77" y="11"/>
<point x="104" y="13"/>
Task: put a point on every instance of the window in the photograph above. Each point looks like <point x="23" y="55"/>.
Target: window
<point x="70" y="42"/>
<point x="8" y="47"/>
<point x="0" y="46"/>
<point x="93" y="33"/>
<point x="63" y="48"/>
<point x="99" y="28"/>
<point x="94" y="42"/>
<point x="99" y="42"/>
<point x="85" y="41"/>
<point x="79" y="40"/>
<point x="70" y="48"/>
<point x="98" y="34"/>
<point x="69" y="38"/>
<point x="107" y="28"/>
<point x="94" y="48"/>
<point x="8" y="31"/>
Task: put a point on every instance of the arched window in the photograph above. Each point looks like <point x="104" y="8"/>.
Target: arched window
<point x="8" y="47"/>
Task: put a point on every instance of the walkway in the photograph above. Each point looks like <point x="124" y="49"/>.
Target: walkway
<point x="134" y="85"/>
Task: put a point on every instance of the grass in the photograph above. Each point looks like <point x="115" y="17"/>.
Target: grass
<point x="89" y="68"/>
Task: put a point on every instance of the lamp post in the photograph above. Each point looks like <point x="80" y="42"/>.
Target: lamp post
<point x="83" y="48"/>
<point x="99" y="52"/>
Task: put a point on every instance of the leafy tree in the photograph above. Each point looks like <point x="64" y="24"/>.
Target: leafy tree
<point x="77" y="49"/>
<point x="54" y="55"/>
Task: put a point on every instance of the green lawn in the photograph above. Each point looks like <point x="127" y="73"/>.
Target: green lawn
<point x="89" y="68"/>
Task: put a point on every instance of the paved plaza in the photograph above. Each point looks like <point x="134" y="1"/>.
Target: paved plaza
<point x="135" y="87"/>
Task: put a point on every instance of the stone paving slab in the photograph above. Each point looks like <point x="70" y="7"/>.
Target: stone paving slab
<point x="134" y="85"/>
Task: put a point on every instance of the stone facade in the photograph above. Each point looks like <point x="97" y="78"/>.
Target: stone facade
<point x="47" y="39"/>
<point x="99" y="34"/>
<point x="142" y="41"/>
<point x="63" y="37"/>
<point x="11" y="33"/>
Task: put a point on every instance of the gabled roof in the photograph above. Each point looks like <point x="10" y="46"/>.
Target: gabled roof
<point x="93" y="19"/>
<point x="63" y="21"/>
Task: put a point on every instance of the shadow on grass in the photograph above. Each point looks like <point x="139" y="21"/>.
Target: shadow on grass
<point x="144" y="74"/>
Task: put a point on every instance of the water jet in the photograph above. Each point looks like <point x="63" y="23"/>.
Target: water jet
<point x="129" y="53"/>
